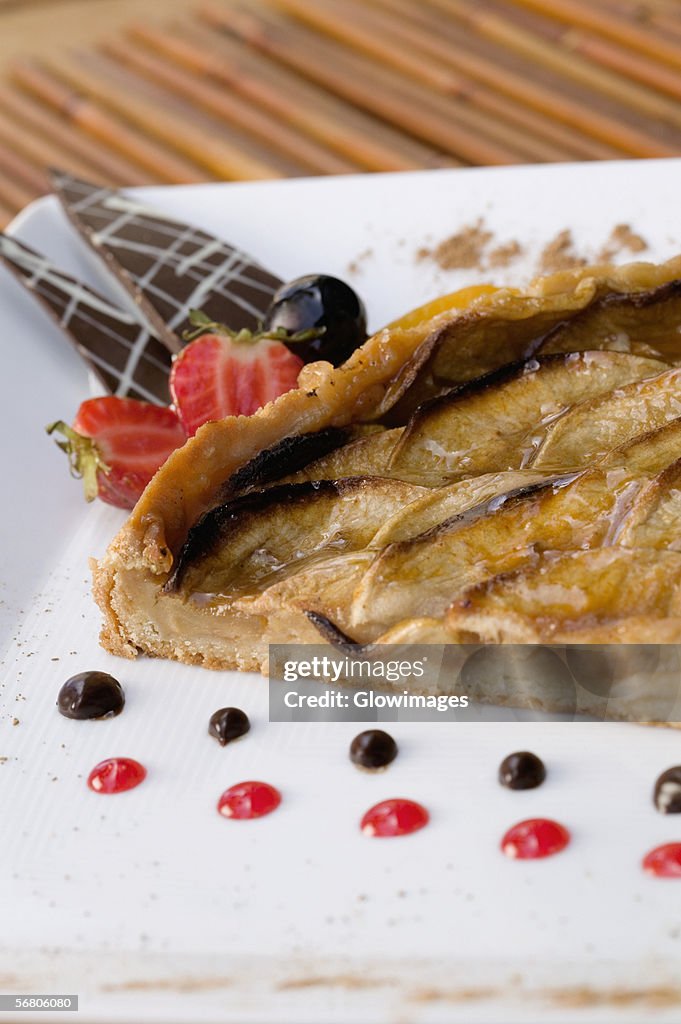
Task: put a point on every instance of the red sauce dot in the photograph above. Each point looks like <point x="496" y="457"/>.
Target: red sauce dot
<point x="249" y="800"/>
<point x="394" y="818"/>
<point x="116" y="774"/>
<point x="664" y="861"/>
<point x="535" y="838"/>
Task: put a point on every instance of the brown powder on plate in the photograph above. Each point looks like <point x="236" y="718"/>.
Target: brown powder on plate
<point x="355" y="266"/>
<point x="178" y="984"/>
<point x="505" y="254"/>
<point x="346" y="981"/>
<point x="469" y="248"/>
<point x="622" y="239"/>
<point x="559" y="254"/>
<point x="463" y="250"/>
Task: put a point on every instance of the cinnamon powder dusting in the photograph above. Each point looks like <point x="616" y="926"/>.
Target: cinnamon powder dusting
<point x="355" y="266"/>
<point x="475" y="247"/>
<point x="504" y="255"/>
<point x="622" y="239"/>
<point x="461" y="251"/>
<point x="560" y="254"/>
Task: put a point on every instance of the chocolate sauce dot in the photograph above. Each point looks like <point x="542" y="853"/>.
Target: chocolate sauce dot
<point x="228" y="724"/>
<point x="91" y="695"/>
<point x="522" y="770"/>
<point x="667" y="793"/>
<point x="373" y="749"/>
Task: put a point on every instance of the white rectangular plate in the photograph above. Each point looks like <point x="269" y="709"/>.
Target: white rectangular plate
<point x="154" y="908"/>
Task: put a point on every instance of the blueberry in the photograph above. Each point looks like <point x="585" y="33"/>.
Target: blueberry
<point x="320" y="301"/>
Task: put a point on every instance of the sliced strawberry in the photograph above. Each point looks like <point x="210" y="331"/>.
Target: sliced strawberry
<point x="225" y="373"/>
<point x="117" y="444"/>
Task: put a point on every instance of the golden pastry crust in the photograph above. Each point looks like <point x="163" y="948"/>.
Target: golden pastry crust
<point x="487" y="329"/>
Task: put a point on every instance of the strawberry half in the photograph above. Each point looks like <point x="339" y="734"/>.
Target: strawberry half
<point x="116" y="445"/>
<point x="230" y="373"/>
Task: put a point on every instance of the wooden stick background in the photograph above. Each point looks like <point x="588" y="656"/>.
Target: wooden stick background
<point x="259" y="89"/>
<point x="231" y="108"/>
<point x="111" y="131"/>
<point x="328" y="119"/>
<point x="371" y="86"/>
<point x="96" y="160"/>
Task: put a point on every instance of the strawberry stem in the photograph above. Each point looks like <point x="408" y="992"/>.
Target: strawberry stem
<point x="85" y="459"/>
<point x="202" y="324"/>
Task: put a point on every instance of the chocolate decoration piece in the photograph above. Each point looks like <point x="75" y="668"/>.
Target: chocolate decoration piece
<point x="228" y="724"/>
<point x="373" y="749"/>
<point x="91" y="695"/>
<point x="127" y="358"/>
<point x="522" y="770"/>
<point x="168" y="267"/>
<point x="667" y="793"/>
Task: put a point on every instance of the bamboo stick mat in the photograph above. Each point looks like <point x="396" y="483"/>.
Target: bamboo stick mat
<point x="275" y="88"/>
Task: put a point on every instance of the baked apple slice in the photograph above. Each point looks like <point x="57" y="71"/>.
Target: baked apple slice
<point x="593" y="428"/>
<point x="609" y="596"/>
<point x="641" y="322"/>
<point x="496" y="422"/>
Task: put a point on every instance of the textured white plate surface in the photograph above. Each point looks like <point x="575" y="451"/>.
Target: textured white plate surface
<point x="156" y="909"/>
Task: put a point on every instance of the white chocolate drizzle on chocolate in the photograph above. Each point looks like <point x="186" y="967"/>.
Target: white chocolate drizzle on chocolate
<point x="127" y="358"/>
<point x="168" y="267"/>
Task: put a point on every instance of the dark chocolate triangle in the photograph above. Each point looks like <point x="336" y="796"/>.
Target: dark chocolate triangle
<point x="126" y="357"/>
<point x="167" y="266"/>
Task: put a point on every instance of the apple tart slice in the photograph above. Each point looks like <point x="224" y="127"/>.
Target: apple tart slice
<point x="428" y="487"/>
